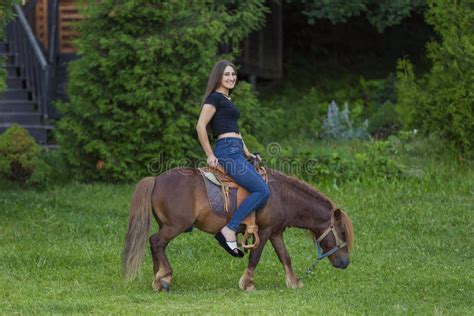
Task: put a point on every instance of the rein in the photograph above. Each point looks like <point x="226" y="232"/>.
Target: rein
<point x="319" y="250"/>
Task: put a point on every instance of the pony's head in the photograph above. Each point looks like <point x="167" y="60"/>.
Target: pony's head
<point x="335" y="239"/>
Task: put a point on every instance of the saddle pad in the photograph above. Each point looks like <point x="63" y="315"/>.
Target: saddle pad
<point x="210" y="176"/>
<point x="216" y="199"/>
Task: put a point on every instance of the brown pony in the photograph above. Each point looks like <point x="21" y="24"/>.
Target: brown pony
<point x="178" y="200"/>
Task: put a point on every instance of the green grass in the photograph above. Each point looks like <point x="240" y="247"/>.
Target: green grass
<point x="60" y="253"/>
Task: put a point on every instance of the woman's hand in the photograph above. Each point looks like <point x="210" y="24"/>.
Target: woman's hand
<point x="250" y="155"/>
<point x="212" y="161"/>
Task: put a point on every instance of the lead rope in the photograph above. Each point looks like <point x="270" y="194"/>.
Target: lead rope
<point x="310" y="269"/>
<point x="320" y="254"/>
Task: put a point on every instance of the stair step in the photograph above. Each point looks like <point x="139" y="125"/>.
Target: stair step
<point x="37" y="131"/>
<point x="9" y="57"/>
<point x="16" y="82"/>
<point x="6" y="102"/>
<point x="20" y="117"/>
<point x="17" y="106"/>
<point x="15" y="94"/>
<point x="3" y="47"/>
<point x="13" y="71"/>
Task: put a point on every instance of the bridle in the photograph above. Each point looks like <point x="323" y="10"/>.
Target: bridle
<point x="339" y="243"/>
<point x="320" y="253"/>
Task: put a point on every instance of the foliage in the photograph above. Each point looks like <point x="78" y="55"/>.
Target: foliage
<point x="291" y="113"/>
<point x="59" y="172"/>
<point x="384" y="122"/>
<point x="6" y="14"/>
<point x="20" y="157"/>
<point x="298" y="112"/>
<point x="338" y="125"/>
<point x="410" y="97"/>
<point x="376" y="92"/>
<point x="135" y="91"/>
<point x="254" y="116"/>
<point x="380" y="13"/>
<point x="249" y="105"/>
<point x="442" y="101"/>
<point x="375" y="159"/>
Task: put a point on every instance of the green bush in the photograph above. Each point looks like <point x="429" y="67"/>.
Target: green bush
<point x="338" y="124"/>
<point x="372" y="160"/>
<point x="59" y="171"/>
<point x="298" y="112"/>
<point x="293" y="113"/>
<point x="135" y="92"/>
<point x="375" y="93"/>
<point x="254" y="118"/>
<point x="384" y="122"/>
<point x="20" y="157"/>
<point x="442" y="102"/>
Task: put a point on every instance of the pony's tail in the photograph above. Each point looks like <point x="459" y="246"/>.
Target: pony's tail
<point x="138" y="227"/>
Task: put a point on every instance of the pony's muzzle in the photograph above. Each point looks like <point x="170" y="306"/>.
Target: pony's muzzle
<point x="342" y="263"/>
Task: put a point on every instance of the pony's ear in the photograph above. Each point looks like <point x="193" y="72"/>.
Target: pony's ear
<point x="337" y="214"/>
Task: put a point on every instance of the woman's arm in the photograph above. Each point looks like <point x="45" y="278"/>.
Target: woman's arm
<point x="207" y="112"/>
<point x="246" y="151"/>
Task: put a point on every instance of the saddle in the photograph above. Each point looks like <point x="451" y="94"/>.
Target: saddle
<point x="225" y="196"/>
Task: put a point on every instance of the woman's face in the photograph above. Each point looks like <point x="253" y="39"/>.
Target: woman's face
<point x="229" y="78"/>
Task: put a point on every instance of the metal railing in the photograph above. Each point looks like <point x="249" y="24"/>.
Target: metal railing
<point x="36" y="69"/>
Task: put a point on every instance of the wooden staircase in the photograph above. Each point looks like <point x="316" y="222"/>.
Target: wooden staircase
<point x="16" y="102"/>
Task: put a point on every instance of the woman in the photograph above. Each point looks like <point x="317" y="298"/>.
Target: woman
<point x="230" y="150"/>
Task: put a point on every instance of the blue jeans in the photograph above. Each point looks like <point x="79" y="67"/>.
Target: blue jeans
<point x="229" y="151"/>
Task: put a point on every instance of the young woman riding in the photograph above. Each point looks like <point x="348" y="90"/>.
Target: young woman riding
<point x="229" y="150"/>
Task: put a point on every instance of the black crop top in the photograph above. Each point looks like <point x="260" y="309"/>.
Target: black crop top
<point x="226" y="116"/>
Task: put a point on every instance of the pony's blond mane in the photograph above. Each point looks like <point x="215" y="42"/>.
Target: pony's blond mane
<point x="347" y="223"/>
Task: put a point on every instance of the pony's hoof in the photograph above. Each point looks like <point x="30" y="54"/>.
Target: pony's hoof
<point x="246" y="285"/>
<point x="250" y="288"/>
<point x="165" y="285"/>
<point x="160" y="285"/>
<point x="156" y="285"/>
<point x="294" y="285"/>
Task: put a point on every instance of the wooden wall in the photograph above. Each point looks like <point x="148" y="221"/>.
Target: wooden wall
<point x="41" y="22"/>
<point x="67" y="15"/>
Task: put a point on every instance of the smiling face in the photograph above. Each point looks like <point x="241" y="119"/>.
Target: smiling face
<point x="229" y="78"/>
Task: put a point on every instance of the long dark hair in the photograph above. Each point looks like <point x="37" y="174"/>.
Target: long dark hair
<point x="215" y="77"/>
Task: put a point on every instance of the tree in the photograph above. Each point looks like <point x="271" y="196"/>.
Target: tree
<point x="136" y="90"/>
<point x="442" y="101"/>
<point x="380" y="13"/>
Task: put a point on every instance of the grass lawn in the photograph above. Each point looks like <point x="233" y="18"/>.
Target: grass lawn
<point x="60" y="252"/>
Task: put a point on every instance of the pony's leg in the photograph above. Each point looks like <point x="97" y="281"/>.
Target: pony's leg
<point x="278" y="244"/>
<point x="246" y="281"/>
<point x="153" y="245"/>
<point x="161" y="267"/>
